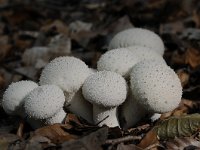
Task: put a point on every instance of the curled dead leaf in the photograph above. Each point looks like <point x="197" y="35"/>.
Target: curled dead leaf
<point x="6" y="140"/>
<point x="182" y="143"/>
<point x="90" y="142"/>
<point x="192" y="57"/>
<point x="149" y="139"/>
<point x="181" y="126"/>
<point x="55" y="133"/>
<point x="183" y="76"/>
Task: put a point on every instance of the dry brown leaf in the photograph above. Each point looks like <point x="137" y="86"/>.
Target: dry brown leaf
<point x="38" y="143"/>
<point x="186" y="106"/>
<point x="2" y="81"/>
<point x="5" y="47"/>
<point x="6" y="139"/>
<point x="178" y="58"/>
<point x="183" y="76"/>
<point x="93" y="141"/>
<point x="182" y="143"/>
<point x="55" y="133"/>
<point x="72" y="118"/>
<point x="149" y="139"/>
<point x="192" y="57"/>
<point x="57" y="25"/>
<point x="128" y="147"/>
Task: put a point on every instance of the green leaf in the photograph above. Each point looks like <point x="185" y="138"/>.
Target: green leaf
<point x="181" y="126"/>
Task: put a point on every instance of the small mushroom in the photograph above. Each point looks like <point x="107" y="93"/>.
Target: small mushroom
<point x="137" y="36"/>
<point x="121" y="60"/>
<point x="13" y="98"/>
<point x="117" y="60"/>
<point x="44" y="102"/>
<point x="105" y="90"/>
<point x="145" y="53"/>
<point x="68" y="73"/>
<point x="57" y="118"/>
<point x="155" y="86"/>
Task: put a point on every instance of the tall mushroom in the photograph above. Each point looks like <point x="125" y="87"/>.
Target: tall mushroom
<point x="155" y="86"/>
<point x="121" y="60"/>
<point x="69" y="73"/>
<point x="105" y="90"/>
<point x="137" y="36"/>
<point x="13" y="98"/>
<point x="45" y="102"/>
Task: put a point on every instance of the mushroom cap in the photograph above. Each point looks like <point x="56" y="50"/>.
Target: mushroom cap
<point x="119" y="60"/>
<point x="57" y="118"/>
<point x="68" y="73"/>
<point x="156" y="86"/>
<point x="13" y="98"/>
<point x="105" y="88"/>
<point x="44" y="101"/>
<point x="137" y="36"/>
<point x="144" y="53"/>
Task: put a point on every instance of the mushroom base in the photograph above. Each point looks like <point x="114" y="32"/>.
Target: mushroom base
<point x="105" y="116"/>
<point x="131" y="112"/>
<point x="79" y="106"/>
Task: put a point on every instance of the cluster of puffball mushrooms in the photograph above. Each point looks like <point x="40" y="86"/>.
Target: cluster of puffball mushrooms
<point x="132" y="75"/>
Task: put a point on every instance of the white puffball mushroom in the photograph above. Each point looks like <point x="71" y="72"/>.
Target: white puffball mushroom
<point x="156" y="86"/>
<point x="81" y="107"/>
<point x="13" y="98"/>
<point x="121" y="60"/>
<point x="105" y="90"/>
<point x="57" y="118"/>
<point x="144" y="53"/>
<point x="44" y="102"/>
<point x="131" y="112"/>
<point x="92" y="71"/>
<point x="117" y="60"/>
<point x="68" y="73"/>
<point x="137" y="36"/>
<point x="155" y="117"/>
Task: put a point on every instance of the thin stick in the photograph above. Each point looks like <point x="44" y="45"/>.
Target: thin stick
<point x="153" y="146"/>
<point x="122" y="139"/>
<point x="20" y="129"/>
<point x="101" y="120"/>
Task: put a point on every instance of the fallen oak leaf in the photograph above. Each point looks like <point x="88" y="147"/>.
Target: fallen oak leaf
<point x="90" y="142"/>
<point x="39" y="143"/>
<point x="183" y="76"/>
<point x="182" y="143"/>
<point x="176" y="126"/>
<point x="149" y="139"/>
<point x="55" y="133"/>
<point x="7" y="139"/>
<point x="192" y="57"/>
<point x="181" y="126"/>
<point x="127" y="147"/>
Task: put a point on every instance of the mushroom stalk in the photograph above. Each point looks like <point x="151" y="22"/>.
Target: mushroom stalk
<point x="103" y="115"/>
<point x="79" y="106"/>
